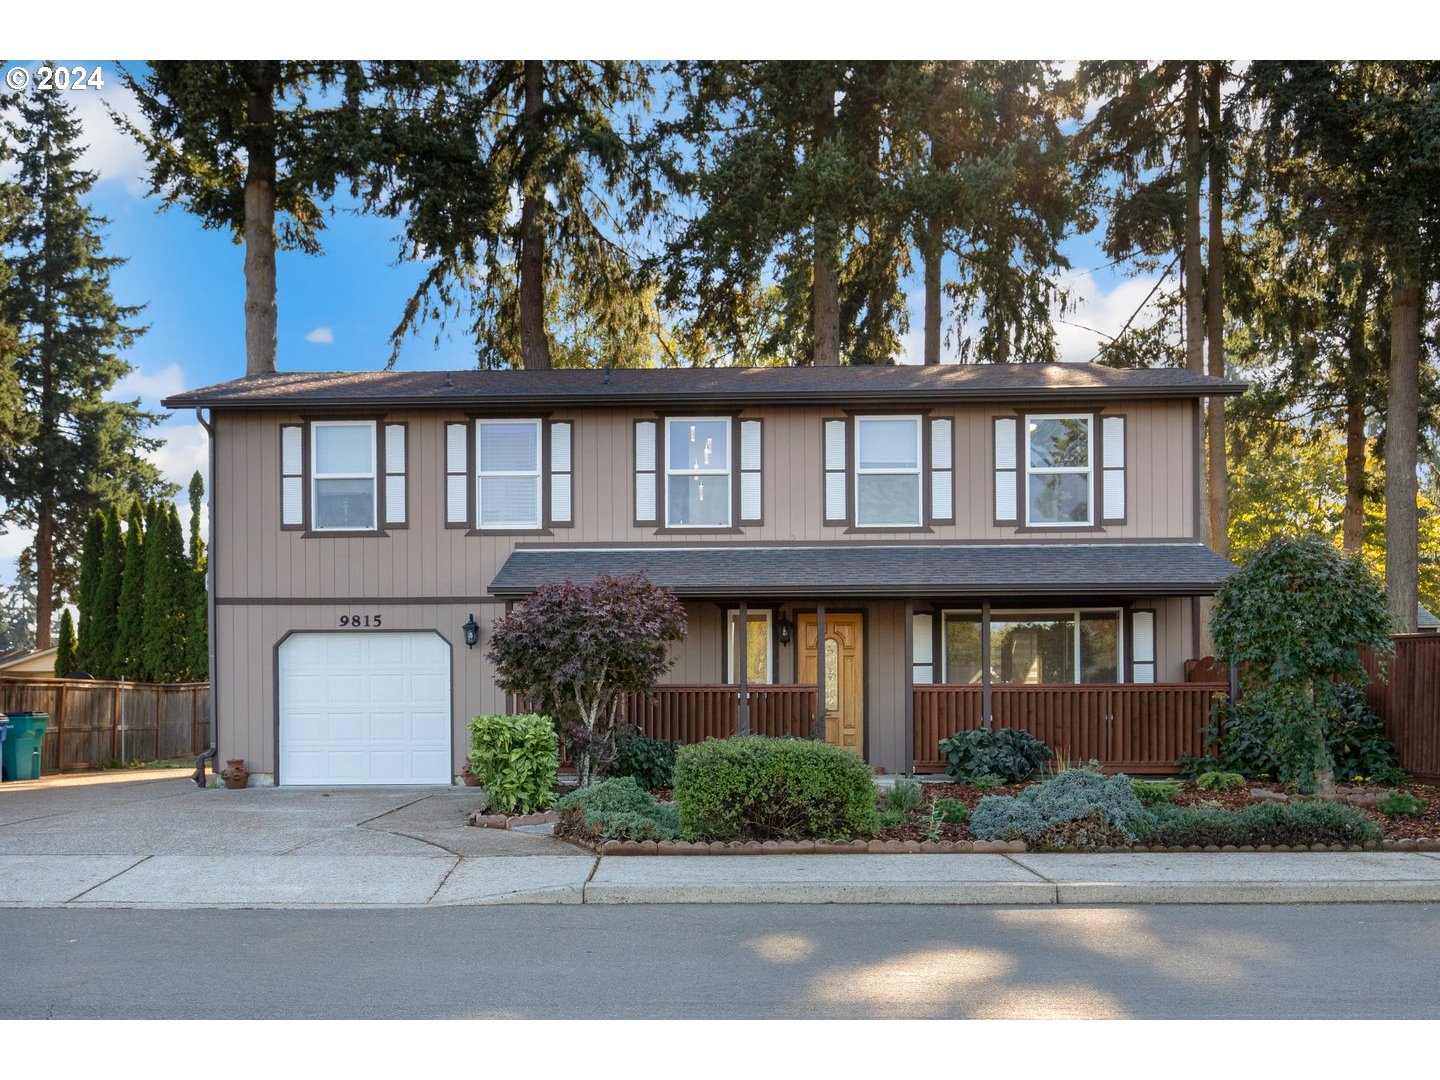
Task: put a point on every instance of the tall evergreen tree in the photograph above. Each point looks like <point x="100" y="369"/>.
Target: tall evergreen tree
<point x="84" y="451"/>
<point x="91" y="556"/>
<point x="158" y="588"/>
<point x="128" y="661"/>
<point x="101" y="621"/>
<point x="65" y="659"/>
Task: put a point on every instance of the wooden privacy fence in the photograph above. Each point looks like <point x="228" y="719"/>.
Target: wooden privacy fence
<point x="1407" y="697"/>
<point x="86" y="718"/>
<point x="1135" y="728"/>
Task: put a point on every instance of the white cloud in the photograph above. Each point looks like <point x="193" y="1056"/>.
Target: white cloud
<point x="186" y="448"/>
<point x="321" y="335"/>
<point x="112" y="153"/>
<point x="1100" y="315"/>
<point x="152" y="385"/>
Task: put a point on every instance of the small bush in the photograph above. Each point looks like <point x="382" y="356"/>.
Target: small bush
<point x="1215" y="780"/>
<point x="1292" y="823"/>
<point x="516" y="759"/>
<point x="650" y="761"/>
<point x="616" y="809"/>
<point x="1401" y="804"/>
<point x="985" y="782"/>
<point x="1008" y="753"/>
<point x="1071" y="796"/>
<point x="756" y="788"/>
<point x="951" y="811"/>
<point x="905" y="795"/>
<point x="1150" y="792"/>
<point x="890" y="818"/>
<point x="1087" y="832"/>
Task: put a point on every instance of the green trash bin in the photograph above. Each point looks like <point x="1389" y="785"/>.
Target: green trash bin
<point x="21" y="749"/>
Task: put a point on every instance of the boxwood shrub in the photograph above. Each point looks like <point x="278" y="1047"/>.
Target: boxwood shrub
<point x="516" y="759"/>
<point x="616" y="809"/>
<point x="758" y="788"/>
<point x="1289" y="823"/>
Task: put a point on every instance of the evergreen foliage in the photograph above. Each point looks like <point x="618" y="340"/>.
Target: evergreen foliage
<point x="91" y="568"/>
<point x="65" y="663"/>
<point x="101" y="621"/>
<point x="127" y="663"/>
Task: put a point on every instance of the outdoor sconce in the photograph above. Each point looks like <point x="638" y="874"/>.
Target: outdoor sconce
<point x="783" y="629"/>
<point x="472" y="632"/>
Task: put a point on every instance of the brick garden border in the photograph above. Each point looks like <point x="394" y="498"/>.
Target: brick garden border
<point x="503" y="821"/>
<point x="949" y="847"/>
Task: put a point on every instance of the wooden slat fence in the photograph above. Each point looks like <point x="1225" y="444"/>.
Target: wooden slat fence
<point x="1407" y="697"/>
<point x="1128" y="728"/>
<point x="160" y="720"/>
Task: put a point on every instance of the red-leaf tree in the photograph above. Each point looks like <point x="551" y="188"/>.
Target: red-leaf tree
<point x="573" y="650"/>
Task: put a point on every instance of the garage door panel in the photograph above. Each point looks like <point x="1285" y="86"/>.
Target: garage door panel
<point x="365" y="708"/>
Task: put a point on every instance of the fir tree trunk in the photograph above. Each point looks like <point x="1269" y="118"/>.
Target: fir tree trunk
<point x="1402" y="421"/>
<point x="260" y="307"/>
<point x="1194" y="169"/>
<point x="1215" y="314"/>
<point x="534" y="345"/>
<point x="825" y="291"/>
<point x="932" y="254"/>
<point x="1354" y="517"/>
<point x="44" y="573"/>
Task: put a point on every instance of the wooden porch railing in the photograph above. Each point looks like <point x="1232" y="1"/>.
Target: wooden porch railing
<point x="1136" y="728"/>
<point x="689" y="714"/>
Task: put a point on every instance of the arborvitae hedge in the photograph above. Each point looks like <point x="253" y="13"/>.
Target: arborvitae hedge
<point x="126" y="662"/>
<point x="65" y="655"/>
<point x="91" y="556"/>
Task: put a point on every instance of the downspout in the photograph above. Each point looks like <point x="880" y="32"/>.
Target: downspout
<point x="199" y="774"/>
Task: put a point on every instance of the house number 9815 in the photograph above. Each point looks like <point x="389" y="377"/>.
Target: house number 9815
<point x="354" y="621"/>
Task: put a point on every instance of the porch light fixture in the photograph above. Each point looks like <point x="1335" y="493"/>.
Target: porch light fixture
<point x="472" y="631"/>
<point x="783" y="629"/>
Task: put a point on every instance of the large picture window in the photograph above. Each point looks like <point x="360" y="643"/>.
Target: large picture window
<point x="1035" y="647"/>
<point x="507" y="474"/>
<point x="1059" y="451"/>
<point x="342" y="471"/>
<point x="758" y="653"/>
<point x="887" y="471"/>
<point x="697" y="472"/>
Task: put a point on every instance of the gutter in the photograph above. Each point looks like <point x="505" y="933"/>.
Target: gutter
<point x="199" y="774"/>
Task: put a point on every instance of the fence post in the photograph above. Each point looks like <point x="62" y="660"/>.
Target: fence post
<point x="60" y="729"/>
<point x="115" y="722"/>
<point x="194" y="720"/>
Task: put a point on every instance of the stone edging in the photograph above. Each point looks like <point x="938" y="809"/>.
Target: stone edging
<point x="502" y="821"/>
<point x="944" y="847"/>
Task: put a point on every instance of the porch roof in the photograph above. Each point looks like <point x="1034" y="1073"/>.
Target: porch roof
<point x="882" y="570"/>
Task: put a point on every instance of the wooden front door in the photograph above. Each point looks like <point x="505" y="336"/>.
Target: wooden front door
<point x="844" y="703"/>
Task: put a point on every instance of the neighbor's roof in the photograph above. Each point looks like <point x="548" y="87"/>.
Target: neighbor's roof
<point x="721" y="385"/>
<point x="882" y="570"/>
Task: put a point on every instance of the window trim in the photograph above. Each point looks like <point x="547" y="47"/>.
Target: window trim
<point x="732" y="617"/>
<point x="918" y="471"/>
<point x="1028" y="470"/>
<point x="1122" y="644"/>
<point x="477" y="474"/>
<point x="729" y="472"/>
<point x="316" y="476"/>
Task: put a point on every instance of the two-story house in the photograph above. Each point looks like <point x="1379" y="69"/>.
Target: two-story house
<point x="903" y="546"/>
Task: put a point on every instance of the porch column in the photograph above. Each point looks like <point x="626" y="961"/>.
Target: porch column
<point x="987" y="715"/>
<point x="910" y="686"/>
<point x="820" y="671"/>
<point x="742" y="647"/>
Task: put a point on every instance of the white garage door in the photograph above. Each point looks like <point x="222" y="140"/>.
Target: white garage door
<point x="365" y="708"/>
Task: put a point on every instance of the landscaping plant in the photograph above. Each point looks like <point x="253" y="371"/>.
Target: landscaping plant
<point x="615" y="809"/>
<point x="650" y="761"/>
<point x="1293" y="823"/>
<point x="951" y="811"/>
<point x="516" y="759"/>
<point x="1150" y="792"/>
<point x="1217" y="780"/>
<point x="1007" y="753"/>
<point x="757" y="788"/>
<point x="1107" y="804"/>
<point x="1294" y="619"/>
<point x="575" y="651"/>
<point x="1401" y="804"/>
<point x="905" y="795"/>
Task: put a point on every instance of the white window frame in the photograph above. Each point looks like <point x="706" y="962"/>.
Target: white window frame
<point x="918" y="473"/>
<point x="316" y="426"/>
<point x="670" y="422"/>
<point x="1009" y="615"/>
<point x="732" y="620"/>
<point x="537" y="476"/>
<point x="1040" y="470"/>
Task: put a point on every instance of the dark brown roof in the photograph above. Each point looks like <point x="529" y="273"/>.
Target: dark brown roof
<point x="884" y="570"/>
<point x="720" y="385"/>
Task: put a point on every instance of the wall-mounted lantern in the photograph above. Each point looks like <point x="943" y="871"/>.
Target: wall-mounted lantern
<point x="784" y="628"/>
<point x="472" y="632"/>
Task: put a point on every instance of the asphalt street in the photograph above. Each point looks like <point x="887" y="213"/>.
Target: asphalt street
<point x="730" y="961"/>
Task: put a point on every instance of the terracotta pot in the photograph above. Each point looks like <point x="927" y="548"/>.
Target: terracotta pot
<point x="469" y="779"/>
<point x="234" y="774"/>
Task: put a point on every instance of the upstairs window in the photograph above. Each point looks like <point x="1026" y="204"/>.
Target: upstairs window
<point x="887" y="471"/>
<point x="1058" y="479"/>
<point x="507" y="474"/>
<point x="697" y="472"/>
<point x="342" y="472"/>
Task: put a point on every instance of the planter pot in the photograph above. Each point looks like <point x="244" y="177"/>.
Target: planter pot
<point x="234" y="774"/>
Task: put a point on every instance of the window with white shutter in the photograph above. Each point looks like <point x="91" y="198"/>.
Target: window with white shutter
<point x="942" y="471"/>
<point x="922" y="660"/>
<point x="645" y="464"/>
<point x="343" y="471"/>
<point x="292" y="476"/>
<point x="1142" y="646"/>
<point x="457" y="476"/>
<point x="751" y="492"/>
<point x="1007" y="506"/>
<point x="507" y="474"/>
<point x="561" y="473"/>
<point x="1112" y="459"/>
<point x="836" y="474"/>
<point x="395" y="456"/>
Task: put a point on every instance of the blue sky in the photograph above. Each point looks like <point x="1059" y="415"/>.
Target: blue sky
<point x="336" y="310"/>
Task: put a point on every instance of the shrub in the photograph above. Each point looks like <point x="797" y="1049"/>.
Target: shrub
<point x="516" y="759"/>
<point x="1216" y="780"/>
<point x="1150" y="792"/>
<point x="1006" y="753"/>
<point x="756" y="788"/>
<point x="1355" y="735"/>
<point x="905" y="795"/>
<point x="616" y="809"/>
<point x="951" y="811"/>
<point x="1401" y="804"/>
<point x="1289" y="823"/>
<point x="1092" y="830"/>
<point x="890" y="818"/>
<point x="985" y="782"/>
<point x="649" y="761"/>
<point x="1071" y="796"/>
